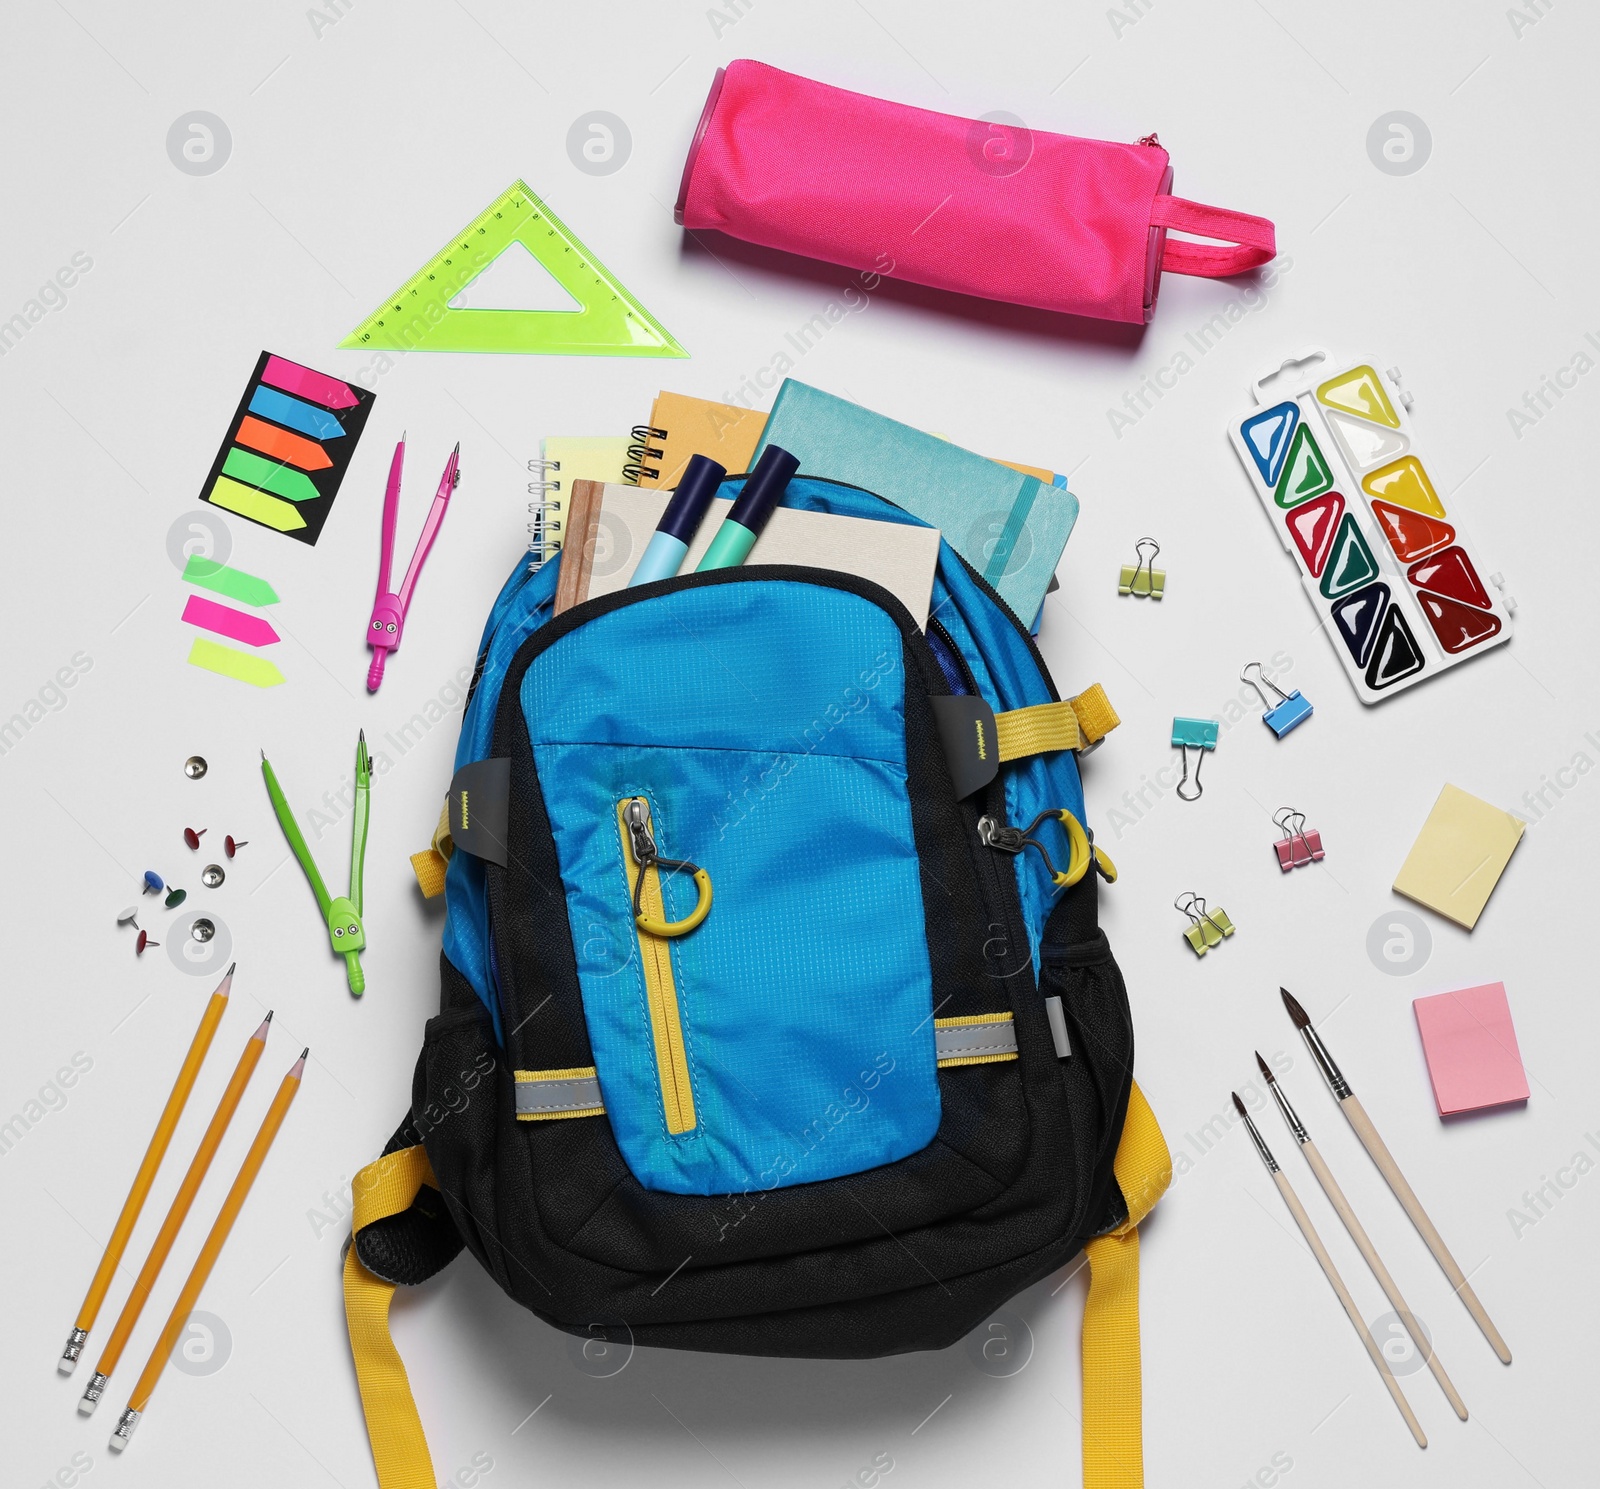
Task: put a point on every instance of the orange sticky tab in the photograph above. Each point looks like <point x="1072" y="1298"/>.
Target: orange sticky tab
<point x="292" y="449"/>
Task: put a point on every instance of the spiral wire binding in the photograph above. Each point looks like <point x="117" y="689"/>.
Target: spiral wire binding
<point x="635" y="472"/>
<point x="538" y="549"/>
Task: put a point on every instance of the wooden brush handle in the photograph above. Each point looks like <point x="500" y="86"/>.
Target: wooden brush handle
<point x="1358" y="1234"/>
<point x="1403" y="1192"/>
<point x="1314" y="1241"/>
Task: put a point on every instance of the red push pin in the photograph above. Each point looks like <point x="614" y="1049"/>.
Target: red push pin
<point x="192" y="838"/>
<point x="143" y="941"/>
<point x="233" y="845"/>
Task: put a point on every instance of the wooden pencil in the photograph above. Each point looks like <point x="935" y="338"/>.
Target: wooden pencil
<point x="162" y="1246"/>
<point x="209" y="1252"/>
<point x="160" y="1139"/>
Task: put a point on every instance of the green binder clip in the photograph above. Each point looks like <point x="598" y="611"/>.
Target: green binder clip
<point x="346" y="934"/>
<point x="1142" y="579"/>
<point x="1207" y="928"/>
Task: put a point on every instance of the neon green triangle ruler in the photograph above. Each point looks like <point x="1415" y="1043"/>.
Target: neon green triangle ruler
<point x="418" y="317"/>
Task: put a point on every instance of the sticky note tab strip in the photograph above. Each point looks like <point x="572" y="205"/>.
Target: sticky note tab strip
<point x="224" y="660"/>
<point x="226" y="621"/>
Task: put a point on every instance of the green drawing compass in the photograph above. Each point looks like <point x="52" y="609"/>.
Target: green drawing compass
<point x="346" y="934"/>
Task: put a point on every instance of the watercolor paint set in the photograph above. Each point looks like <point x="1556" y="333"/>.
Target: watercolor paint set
<point x="1333" y="457"/>
<point x="288" y="447"/>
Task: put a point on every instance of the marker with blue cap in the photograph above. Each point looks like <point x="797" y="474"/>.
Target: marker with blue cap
<point x="679" y="523"/>
<point x="763" y="489"/>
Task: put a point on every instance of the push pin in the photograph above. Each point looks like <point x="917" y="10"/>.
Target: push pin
<point x="143" y="941"/>
<point x="1193" y="734"/>
<point x="1297" y="847"/>
<point x="232" y="845"/>
<point x="212" y="875"/>
<point x="152" y="882"/>
<point x="1207" y="928"/>
<point x="128" y="917"/>
<point x="1141" y="578"/>
<point x="1288" y="713"/>
<point x="175" y="897"/>
<point x="195" y="767"/>
<point x="192" y="838"/>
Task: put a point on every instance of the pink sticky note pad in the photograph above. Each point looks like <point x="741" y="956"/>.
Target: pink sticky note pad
<point x="1471" y="1048"/>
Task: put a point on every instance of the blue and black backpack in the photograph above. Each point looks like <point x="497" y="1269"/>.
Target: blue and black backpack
<point x="754" y="1036"/>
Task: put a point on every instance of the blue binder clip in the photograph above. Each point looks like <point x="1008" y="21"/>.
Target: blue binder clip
<point x="1288" y="713"/>
<point x="1193" y="734"/>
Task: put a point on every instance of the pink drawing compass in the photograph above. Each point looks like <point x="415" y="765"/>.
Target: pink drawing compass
<point x="388" y="621"/>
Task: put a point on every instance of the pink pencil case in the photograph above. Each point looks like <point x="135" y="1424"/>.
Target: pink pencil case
<point x="971" y="205"/>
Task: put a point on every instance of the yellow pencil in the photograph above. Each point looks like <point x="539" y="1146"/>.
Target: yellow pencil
<point x="209" y="1253"/>
<point x="147" y="1174"/>
<point x="168" y="1233"/>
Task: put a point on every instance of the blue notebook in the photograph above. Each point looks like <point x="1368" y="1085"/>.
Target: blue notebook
<point x="1010" y="527"/>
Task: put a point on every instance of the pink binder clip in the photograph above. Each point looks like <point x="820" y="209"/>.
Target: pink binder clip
<point x="388" y="621"/>
<point x="1297" y="847"/>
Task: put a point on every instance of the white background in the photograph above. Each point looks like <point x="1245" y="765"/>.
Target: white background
<point x="359" y="142"/>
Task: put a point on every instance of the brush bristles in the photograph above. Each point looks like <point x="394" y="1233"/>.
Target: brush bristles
<point x="1302" y="1020"/>
<point x="1239" y="1104"/>
<point x="1266" y="1070"/>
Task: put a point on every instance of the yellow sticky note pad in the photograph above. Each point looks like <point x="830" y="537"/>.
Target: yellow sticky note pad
<point x="1459" y="856"/>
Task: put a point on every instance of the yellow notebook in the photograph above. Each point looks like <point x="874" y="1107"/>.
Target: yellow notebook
<point x="681" y="426"/>
<point x="1459" y="856"/>
<point x="563" y="460"/>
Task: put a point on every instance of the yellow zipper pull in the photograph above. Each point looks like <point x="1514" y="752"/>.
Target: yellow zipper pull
<point x="642" y="844"/>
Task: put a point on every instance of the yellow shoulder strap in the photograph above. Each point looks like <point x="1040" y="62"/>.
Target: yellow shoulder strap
<point x="1113" y="1408"/>
<point x="399" y="1446"/>
<point x="1113" y="1450"/>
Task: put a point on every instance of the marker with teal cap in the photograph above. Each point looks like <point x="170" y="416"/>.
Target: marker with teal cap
<point x="679" y="523"/>
<point x="763" y="488"/>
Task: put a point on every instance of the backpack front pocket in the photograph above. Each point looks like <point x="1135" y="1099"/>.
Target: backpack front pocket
<point x="782" y="1032"/>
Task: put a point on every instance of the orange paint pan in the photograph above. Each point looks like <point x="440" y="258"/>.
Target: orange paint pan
<point x="292" y="449"/>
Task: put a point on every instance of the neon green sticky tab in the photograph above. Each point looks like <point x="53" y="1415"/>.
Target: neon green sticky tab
<point x="270" y="475"/>
<point x="256" y="505"/>
<point x="609" y="322"/>
<point x="224" y="660"/>
<point x="207" y="573"/>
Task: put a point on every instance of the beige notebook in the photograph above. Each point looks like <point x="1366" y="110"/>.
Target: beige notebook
<point x="608" y="528"/>
<point x="681" y="426"/>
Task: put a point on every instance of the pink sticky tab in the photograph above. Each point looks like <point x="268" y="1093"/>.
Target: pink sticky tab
<point x="280" y="372"/>
<point x="1471" y="1048"/>
<point x="226" y="621"/>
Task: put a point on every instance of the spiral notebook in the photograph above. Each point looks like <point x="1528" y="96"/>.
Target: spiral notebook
<point x="562" y="460"/>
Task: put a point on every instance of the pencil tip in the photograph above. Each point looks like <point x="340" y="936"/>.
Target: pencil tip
<point x="261" y="1030"/>
<point x="1266" y="1069"/>
<point x="226" y="985"/>
<point x="263" y="756"/>
<point x="1302" y="1020"/>
<point x="1239" y="1104"/>
<point x="306" y="1051"/>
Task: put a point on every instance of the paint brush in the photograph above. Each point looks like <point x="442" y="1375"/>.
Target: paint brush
<point x="1358" y="1234"/>
<point x="1314" y="1241"/>
<point x="1356" y="1115"/>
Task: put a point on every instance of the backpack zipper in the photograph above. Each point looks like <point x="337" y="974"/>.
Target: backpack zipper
<point x="640" y="860"/>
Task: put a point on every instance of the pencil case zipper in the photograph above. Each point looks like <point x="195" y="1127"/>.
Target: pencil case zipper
<point x="661" y="988"/>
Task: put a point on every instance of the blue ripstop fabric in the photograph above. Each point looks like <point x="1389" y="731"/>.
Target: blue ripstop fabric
<point x="764" y="722"/>
<point x="1003" y="665"/>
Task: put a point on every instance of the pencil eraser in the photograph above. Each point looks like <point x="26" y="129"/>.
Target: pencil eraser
<point x="66" y="1367"/>
<point x="86" y="1406"/>
<point x="1471" y="1048"/>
